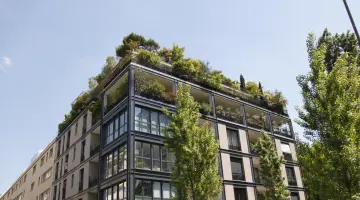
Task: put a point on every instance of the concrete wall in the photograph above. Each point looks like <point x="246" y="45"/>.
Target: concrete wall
<point x="223" y="136"/>
<point x="243" y="141"/>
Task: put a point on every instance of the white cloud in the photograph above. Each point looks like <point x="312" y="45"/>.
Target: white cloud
<point x="5" y="62"/>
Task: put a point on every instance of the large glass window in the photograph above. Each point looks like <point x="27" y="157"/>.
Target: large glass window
<point x="154" y="157"/>
<point x="290" y="173"/>
<point x="233" y="139"/>
<point x="286" y="151"/>
<point x="150" y="121"/>
<point x="237" y="169"/>
<point x="168" y="160"/>
<point x="240" y="194"/>
<point x="116" y="127"/>
<point x="115" y="161"/>
<point x="116" y="192"/>
<point x="145" y="189"/>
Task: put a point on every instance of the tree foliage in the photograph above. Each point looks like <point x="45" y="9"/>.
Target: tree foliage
<point x="331" y="118"/>
<point x="242" y="82"/>
<point x="195" y="173"/>
<point x="270" y="170"/>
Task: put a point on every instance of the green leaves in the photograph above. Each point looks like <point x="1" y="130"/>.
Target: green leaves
<point x="195" y="172"/>
<point x="270" y="170"/>
<point x="331" y="118"/>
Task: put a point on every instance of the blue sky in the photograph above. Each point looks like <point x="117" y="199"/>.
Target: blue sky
<point x="49" y="49"/>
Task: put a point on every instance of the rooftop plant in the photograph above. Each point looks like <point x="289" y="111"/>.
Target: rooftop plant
<point x="187" y="68"/>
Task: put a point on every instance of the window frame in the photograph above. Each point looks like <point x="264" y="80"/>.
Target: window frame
<point x="153" y="128"/>
<point x="240" y="160"/>
<point x="237" y="137"/>
<point x="116" y="127"/>
<point x="162" y="150"/>
<point x="142" y="197"/>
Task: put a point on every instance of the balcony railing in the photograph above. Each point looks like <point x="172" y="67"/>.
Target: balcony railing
<point x="283" y="131"/>
<point x="238" y="176"/>
<point x="235" y="147"/>
<point x="94" y="150"/>
<point x="292" y="181"/>
<point x="287" y="156"/>
<point x="93" y="182"/>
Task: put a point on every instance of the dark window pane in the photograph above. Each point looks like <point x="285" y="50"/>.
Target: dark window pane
<point x="147" y="188"/>
<point x="237" y="169"/>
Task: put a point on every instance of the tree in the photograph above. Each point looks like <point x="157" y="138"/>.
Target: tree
<point x="195" y="173"/>
<point x="242" y="82"/>
<point x="270" y="170"/>
<point x="260" y="89"/>
<point x="331" y="118"/>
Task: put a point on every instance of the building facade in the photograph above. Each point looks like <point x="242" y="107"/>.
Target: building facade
<point x="118" y="153"/>
<point x="35" y="182"/>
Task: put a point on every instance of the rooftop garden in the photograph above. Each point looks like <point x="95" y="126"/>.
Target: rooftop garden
<point x="172" y="61"/>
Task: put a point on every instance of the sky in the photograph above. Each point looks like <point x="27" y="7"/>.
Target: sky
<point x="49" y="49"/>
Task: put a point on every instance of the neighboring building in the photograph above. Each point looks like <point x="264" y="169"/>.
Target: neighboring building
<point x="129" y="160"/>
<point x="35" y="182"/>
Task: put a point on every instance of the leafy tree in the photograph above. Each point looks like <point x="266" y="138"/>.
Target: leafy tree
<point x="260" y="89"/>
<point x="331" y="119"/>
<point x="242" y="82"/>
<point x="270" y="170"/>
<point x="134" y="41"/>
<point x="107" y="68"/>
<point x="252" y="88"/>
<point x="336" y="45"/>
<point x="195" y="173"/>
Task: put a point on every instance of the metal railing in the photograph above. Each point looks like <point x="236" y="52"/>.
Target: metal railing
<point x="235" y="147"/>
<point x="238" y="176"/>
<point x="94" y="150"/>
<point x="93" y="182"/>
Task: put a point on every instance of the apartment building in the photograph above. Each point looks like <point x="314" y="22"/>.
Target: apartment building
<point x="35" y="182"/>
<point x="121" y="154"/>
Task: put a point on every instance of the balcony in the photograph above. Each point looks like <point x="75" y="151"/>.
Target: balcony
<point x="228" y="110"/>
<point x="93" y="182"/>
<point x="253" y="137"/>
<point x="281" y="126"/>
<point x="94" y="150"/>
<point x="154" y="87"/>
<point x="256" y="118"/>
<point x="117" y="93"/>
<point x="203" y="99"/>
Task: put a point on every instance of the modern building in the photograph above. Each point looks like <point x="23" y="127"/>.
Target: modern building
<point x="35" y="182"/>
<point x="121" y="155"/>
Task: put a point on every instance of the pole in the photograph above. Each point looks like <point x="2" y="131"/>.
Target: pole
<point x="352" y="22"/>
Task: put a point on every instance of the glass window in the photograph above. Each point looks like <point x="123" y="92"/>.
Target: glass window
<point x="142" y="155"/>
<point x="164" y="121"/>
<point x="109" y="193"/>
<point x="116" y="161"/>
<point x="108" y="165"/>
<point x="157" y="191"/>
<point x="156" y="157"/>
<point x="110" y="133"/>
<point x="294" y="196"/>
<point x="290" y="173"/>
<point x="122" y="158"/>
<point x="285" y="148"/>
<point x="233" y="139"/>
<point x="150" y="121"/>
<point x="256" y="118"/>
<point x="154" y="123"/>
<point x="166" y="190"/>
<point x="116" y="129"/>
<point x="115" y="197"/>
<point x="168" y="160"/>
<point x="237" y="169"/>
